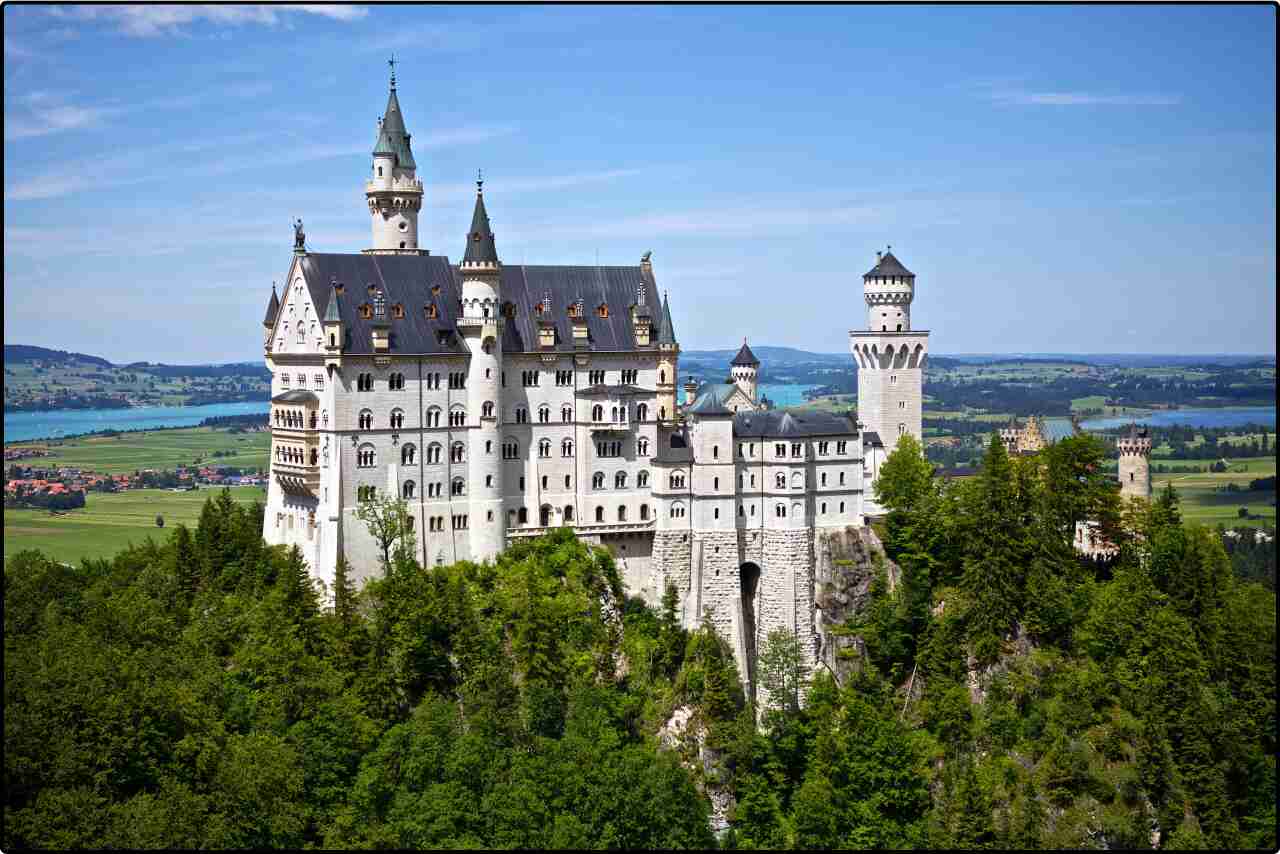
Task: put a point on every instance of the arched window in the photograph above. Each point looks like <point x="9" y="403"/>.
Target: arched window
<point x="397" y="418"/>
<point x="662" y="413"/>
<point x="597" y="413"/>
<point x="544" y="515"/>
<point x="620" y="480"/>
<point x="677" y="510"/>
<point x="622" y="513"/>
<point x="457" y="452"/>
<point x="302" y="334"/>
<point x="315" y="456"/>
<point x="366" y="419"/>
<point x="544" y="414"/>
<point x="544" y="448"/>
<point x="522" y="515"/>
<point x="434" y="450"/>
<point x="797" y="480"/>
<point x="642" y="412"/>
<point x="644" y="512"/>
<point x="780" y="480"/>
<point x="642" y="479"/>
<point x="797" y="510"/>
<point x="365" y="456"/>
<point x="566" y="448"/>
<point x="458" y="486"/>
<point x="408" y="453"/>
<point x="486" y="409"/>
<point x="433" y="416"/>
<point x="510" y="449"/>
<point x="568" y="512"/>
<point x="780" y="510"/>
<point x="457" y="417"/>
<point x="662" y="376"/>
<point x="409" y="489"/>
<point x="597" y="480"/>
<point x="823" y="479"/>
<point x="642" y="446"/>
<point x="677" y="480"/>
<point x="600" y="514"/>
<point x="566" y="413"/>
<point x="715" y="452"/>
<point x="522" y="415"/>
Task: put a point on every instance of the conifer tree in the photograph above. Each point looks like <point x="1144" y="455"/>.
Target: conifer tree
<point x="994" y="564"/>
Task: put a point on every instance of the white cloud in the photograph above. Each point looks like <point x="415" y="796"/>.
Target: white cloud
<point x="151" y="21"/>
<point x="52" y="119"/>
<point x="1082" y="99"/>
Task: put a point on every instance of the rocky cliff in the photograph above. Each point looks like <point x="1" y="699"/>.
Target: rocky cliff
<point x="847" y="562"/>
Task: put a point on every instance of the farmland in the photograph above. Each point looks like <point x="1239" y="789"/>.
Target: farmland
<point x="109" y="522"/>
<point x="125" y="453"/>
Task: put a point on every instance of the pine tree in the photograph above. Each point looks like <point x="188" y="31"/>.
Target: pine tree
<point x="343" y="596"/>
<point x="994" y="564"/>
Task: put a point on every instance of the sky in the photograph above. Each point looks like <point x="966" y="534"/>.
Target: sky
<point x="1087" y="179"/>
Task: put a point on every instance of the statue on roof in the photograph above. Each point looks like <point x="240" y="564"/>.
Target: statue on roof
<point x="299" y="236"/>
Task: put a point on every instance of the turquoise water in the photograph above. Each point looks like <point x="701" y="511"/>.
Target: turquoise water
<point x="1234" y="416"/>
<point x="68" y="422"/>
<point x="782" y="395"/>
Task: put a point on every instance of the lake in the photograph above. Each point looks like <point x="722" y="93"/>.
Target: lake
<point x="19" y="426"/>
<point x="1233" y="416"/>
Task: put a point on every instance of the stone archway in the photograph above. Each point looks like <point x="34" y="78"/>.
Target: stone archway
<point x="749" y="588"/>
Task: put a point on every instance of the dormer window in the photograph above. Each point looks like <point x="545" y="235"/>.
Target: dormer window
<point x="602" y="310"/>
<point x="435" y="290"/>
<point x="575" y="310"/>
<point x="366" y="310"/>
<point x="379" y="305"/>
<point x="537" y="309"/>
<point x="432" y="312"/>
<point x="397" y="311"/>
<point x="509" y="310"/>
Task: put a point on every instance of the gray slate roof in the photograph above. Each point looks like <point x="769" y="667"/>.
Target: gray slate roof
<point x="408" y="280"/>
<point x="297" y="395"/>
<point x="614" y="391"/>
<point x="888" y="266"/>
<point x="870" y="439"/>
<point x="745" y="357"/>
<point x="480" y="246"/>
<point x="392" y="136"/>
<point x="711" y="398"/>
<point x="783" y="424"/>
<point x="273" y="308"/>
<point x="667" y="334"/>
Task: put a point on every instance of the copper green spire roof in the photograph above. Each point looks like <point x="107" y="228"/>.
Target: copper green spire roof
<point x="668" y="333"/>
<point x="480" y="246"/>
<point x="331" y="314"/>
<point x="273" y="308"/>
<point x="392" y="136"/>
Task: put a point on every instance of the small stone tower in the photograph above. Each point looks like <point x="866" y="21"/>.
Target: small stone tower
<point x="269" y="321"/>
<point x="744" y="369"/>
<point x="481" y="325"/>
<point x="393" y="191"/>
<point x="1135" y="463"/>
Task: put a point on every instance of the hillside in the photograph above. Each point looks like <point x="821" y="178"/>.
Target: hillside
<point x="37" y="379"/>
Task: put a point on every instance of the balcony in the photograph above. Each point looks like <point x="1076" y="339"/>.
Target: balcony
<point x="297" y="478"/>
<point x="583" y="528"/>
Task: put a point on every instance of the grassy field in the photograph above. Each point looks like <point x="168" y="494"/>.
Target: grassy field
<point x="158" y="449"/>
<point x="1201" y="502"/>
<point x="109" y="522"/>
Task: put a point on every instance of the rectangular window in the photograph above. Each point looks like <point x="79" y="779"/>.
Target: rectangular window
<point x="795" y="449"/>
<point x="319" y="382"/>
<point x="284" y="379"/>
<point x="780" y="449"/>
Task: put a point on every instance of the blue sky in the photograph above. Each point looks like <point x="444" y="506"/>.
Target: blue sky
<point x="1065" y="179"/>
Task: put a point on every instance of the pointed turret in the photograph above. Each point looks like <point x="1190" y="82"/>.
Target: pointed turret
<point x="273" y="308"/>
<point x="480" y="245"/>
<point x="393" y="191"/>
<point x="668" y="333"/>
<point x="331" y="314"/>
<point x="745" y="357"/>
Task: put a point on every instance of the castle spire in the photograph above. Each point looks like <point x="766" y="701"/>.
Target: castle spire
<point x="480" y="246"/>
<point x="668" y="333"/>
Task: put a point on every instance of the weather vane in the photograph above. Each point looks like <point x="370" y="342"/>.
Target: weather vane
<point x="392" y="63"/>
<point x="479" y="180"/>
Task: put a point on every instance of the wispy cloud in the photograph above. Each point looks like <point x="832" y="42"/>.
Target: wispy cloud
<point x="152" y="21"/>
<point x="1080" y="99"/>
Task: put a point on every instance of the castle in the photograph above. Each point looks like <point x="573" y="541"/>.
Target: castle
<point x="501" y="401"/>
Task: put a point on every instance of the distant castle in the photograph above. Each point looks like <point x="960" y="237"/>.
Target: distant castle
<point x="502" y="401"/>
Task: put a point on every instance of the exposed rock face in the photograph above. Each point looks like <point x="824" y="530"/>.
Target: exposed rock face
<point x="846" y="565"/>
<point x="686" y="735"/>
<point x="978" y="676"/>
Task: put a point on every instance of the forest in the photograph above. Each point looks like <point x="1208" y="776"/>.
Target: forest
<point x="200" y="691"/>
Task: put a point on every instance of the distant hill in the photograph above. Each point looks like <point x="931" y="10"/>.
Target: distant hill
<point x="28" y="353"/>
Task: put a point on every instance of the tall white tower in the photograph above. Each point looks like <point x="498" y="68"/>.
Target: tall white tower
<point x="481" y="324"/>
<point x="393" y="191"/>
<point x="891" y="357"/>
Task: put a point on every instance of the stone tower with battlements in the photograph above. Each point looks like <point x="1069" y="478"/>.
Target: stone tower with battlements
<point x="393" y="191"/>
<point x="890" y="358"/>
<point x="745" y="370"/>
<point x="1135" y="463"/>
